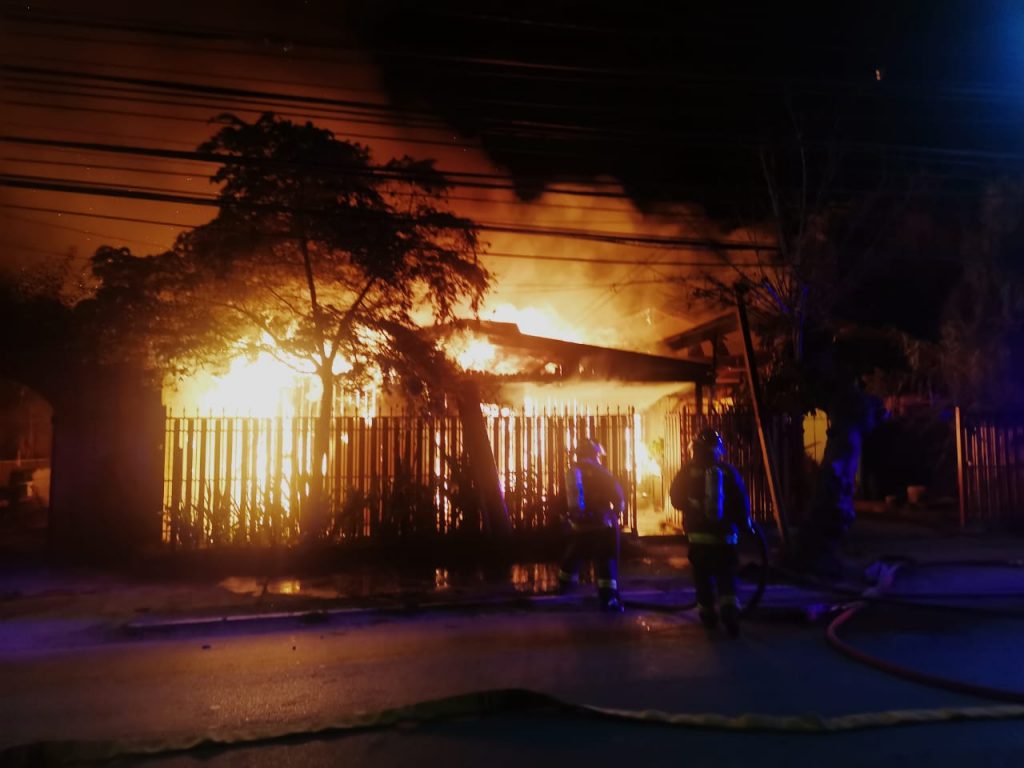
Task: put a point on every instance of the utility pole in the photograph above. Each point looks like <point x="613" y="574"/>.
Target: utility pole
<point x="755" y="396"/>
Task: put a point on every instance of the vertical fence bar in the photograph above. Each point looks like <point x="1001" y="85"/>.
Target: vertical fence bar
<point x="231" y="500"/>
<point x="244" y="479"/>
<point x="277" y="481"/>
<point x="201" y="490"/>
<point x="986" y="457"/>
<point x="217" y="474"/>
<point x="174" y="528"/>
<point x="973" y="476"/>
<point x="960" y="466"/>
<point x="243" y="502"/>
<point x="1015" y="441"/>
<point x="189" y="476"/>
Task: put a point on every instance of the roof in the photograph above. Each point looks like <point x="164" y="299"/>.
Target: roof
<point x="709" y="330"/>
<point x="546" y="360"/>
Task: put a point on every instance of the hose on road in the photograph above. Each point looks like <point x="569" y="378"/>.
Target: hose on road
<point x="484" y="704"/>
<point x="876" y="596"/>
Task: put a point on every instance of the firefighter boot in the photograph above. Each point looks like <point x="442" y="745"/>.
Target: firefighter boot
<point x="610" y="600"/>
<point x="567" y="582"/>
<point x="730" y="612"/>
<point x="708" y="617"/>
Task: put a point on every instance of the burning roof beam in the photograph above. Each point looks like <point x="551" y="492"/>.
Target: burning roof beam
<point x="557" y="360"/>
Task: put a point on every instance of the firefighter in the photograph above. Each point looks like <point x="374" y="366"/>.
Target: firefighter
<point x="595" y="502"/>
<point x="710" y="493"/>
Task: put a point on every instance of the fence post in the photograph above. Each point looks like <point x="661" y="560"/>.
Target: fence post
<point x="960" y="466"/>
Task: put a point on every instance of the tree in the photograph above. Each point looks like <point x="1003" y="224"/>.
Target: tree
<point x="983" y="323"/>
<point x="826" y="243"/>
<point x="316" y="256"/>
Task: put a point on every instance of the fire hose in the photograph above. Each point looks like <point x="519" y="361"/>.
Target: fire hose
<point x="877" y="596"/>
<point x="484" y="704"/>
<point x="755" y="539"/>
<point x="511" y="701"/>
<point x="874" y="596"/>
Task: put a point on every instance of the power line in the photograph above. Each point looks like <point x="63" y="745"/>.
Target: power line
<point x="250" y="110"/>
<point x="135" y="193"/>
<point x="204" y="89"/>
<point x="622" y="262"/>
<point x="92" y="215"/>
<point x="494" y="254"/>
<point x="473" y="180"/>
<point x="628" y="210"/>
<point x="517" y="129"/>
<point x="559" y="104"/>
<point x="550" y="131"/>
<point x="101" y="187"/>
<point x="78" y="131"/>
<point x="78" y="64"/>
<point x="496" y="67"/>
<point x="133" y="92"/>
<point x="220" y="159"/>
<point x="140" y="96"/>
<point x="52" y="225"/>
<point x="102" y="167"/>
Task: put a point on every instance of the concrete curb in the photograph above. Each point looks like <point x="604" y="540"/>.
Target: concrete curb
<point x="780" y="602"/>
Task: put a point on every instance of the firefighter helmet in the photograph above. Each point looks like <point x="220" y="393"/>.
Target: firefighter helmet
<point x="589" y="449"/>
<point x="707" y="445"/>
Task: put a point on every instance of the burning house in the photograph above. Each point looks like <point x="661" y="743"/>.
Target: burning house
<point x="239" y="446"/>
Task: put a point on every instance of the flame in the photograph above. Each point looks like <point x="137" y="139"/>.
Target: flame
<point x="477" y="355"/>
<point x="263" y="386"/>
<point x="474" y="353"/>
<point x="267" y="386"/>
<point x="535" y="321"/>
<point x="646" y="465"/>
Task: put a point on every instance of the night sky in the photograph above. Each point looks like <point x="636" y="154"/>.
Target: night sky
<point x="595" y="142"/>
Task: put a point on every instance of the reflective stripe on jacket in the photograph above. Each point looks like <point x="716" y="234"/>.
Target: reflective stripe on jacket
<point x="595" y="498"/>
<point x="713" y="501"/>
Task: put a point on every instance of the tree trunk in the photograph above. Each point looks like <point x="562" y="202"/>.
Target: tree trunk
<point x="481" y="458"/>
<point x="316" y="510"/>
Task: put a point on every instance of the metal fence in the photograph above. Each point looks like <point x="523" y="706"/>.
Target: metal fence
<point x="990" y="468"/>
<point x="739" y="433"/>
<point x="245" y="480"/>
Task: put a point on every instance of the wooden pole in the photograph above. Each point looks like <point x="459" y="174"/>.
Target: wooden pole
<point x="755" y="396"/>
<point x="960" y="466"/>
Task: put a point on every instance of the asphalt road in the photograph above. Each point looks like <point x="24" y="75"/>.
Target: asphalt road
<point x="228" y="686"/>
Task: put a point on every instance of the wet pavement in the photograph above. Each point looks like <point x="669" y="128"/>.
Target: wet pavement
<point x="73" y="604"/>
<point x="235" y="654"/>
